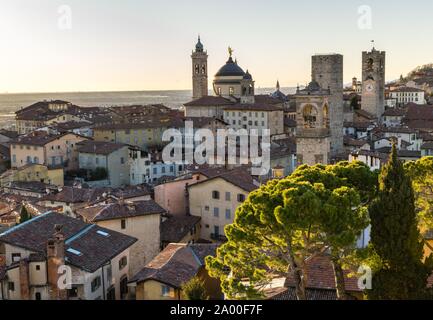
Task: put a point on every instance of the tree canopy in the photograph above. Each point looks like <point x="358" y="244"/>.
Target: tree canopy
<point x="421" y="174"/>
<point x="395" y="237"/>
<point x="24" y="214"/>
<point x="194" y="289"/>
<point x="285" y="222"/>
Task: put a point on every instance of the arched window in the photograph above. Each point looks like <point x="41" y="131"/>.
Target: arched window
<point x="310" y="116"/>
<point x="370" y="63"/>
<point x="29" y="159"/>
<point x="250" y="90"/>
<point x="231" y="91"/>
<point x="326" y="116"/>
<point x="203" y="69"/>
<point x="197" y="69"/>
<point x="35" y="160"/>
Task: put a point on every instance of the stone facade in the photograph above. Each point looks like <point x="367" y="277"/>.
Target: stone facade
<point x="312" y="151"/>
<point x="373" y="85"/>
<point x="327" y="71"/>
<point x="313" y="133"/>
<point x="199" y="72"/>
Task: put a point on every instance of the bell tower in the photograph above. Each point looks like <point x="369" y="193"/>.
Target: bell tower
<point x="199" y="71"/>
<point x="313" y="125"/>
<point x="373" y="82"/>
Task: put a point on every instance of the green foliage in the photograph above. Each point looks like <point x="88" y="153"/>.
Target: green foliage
<point x="194" y="289"/>
<point x="24" y="215"/>
<point x="395" y="237"/>
<point x="421" y="174"/>
<point x="287" y="221"/>
<point x="98" y="174"/>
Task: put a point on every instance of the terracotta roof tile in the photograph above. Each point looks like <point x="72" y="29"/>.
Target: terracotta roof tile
<point x="99" y="147"/>
<point x="209" y="101"/>
<point x="320" y="275"/>
<point x="120" y="210"/>
<point x="257" y="106"/>
<point x="312" y="294"/>
<point x="407" y="89"/>
<point x="176" y="264"/>
<point x="96" y="245"/>
<point x="175" y="228"/>
<point x="75" y="195"/>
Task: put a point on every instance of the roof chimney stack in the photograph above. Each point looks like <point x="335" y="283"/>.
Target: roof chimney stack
<point x="56" y="259"/>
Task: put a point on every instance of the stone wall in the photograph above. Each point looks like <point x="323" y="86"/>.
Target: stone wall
<point x="327" y="71"/>
<point x="311" y="151"/>
<point x="373" y="67"/>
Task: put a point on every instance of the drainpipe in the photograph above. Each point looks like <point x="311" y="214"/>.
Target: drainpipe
<point x="104" y="293"/>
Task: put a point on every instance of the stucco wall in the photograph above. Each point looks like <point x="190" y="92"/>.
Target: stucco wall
<point x="147" y="230"/>
<point x="200" y="199"/>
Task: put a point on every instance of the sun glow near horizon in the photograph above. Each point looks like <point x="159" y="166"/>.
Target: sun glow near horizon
<point x="136" y="45"/>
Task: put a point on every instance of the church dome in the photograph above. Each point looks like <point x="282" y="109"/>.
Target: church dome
<point x="230" y="69"/>
<point x="313" y="86"/>
<point x="199" y="46"/>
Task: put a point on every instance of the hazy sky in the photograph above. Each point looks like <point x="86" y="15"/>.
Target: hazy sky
<point x="146" y="45"/>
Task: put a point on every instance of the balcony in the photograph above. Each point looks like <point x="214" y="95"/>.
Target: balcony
<point x="218" y="237"/>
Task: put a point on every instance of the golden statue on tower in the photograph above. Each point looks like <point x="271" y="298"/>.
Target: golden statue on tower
<point x="230" y="51"/>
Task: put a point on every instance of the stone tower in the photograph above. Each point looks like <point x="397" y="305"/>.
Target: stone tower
<point x="199" y="71"/>
<point x="373" y="82"/>
<point x="313" y="135"/>
<point x="247" y="89"/>
<point x="327" y="71"/>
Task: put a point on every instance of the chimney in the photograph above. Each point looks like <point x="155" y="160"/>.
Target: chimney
<point x="55" y="259"/>
<point x="24" y="279"/>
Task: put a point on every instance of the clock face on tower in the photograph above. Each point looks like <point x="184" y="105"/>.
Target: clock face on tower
<point x="369" y="87"/>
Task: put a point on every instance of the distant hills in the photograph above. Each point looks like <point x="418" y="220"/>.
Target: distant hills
<point x="420" y="75"/>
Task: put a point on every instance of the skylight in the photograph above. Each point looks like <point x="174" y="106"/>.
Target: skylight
<point x="102" y="233"/>
<point x="73" y="251"/>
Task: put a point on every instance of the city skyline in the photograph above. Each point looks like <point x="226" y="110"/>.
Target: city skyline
<point x="108" y="46"/>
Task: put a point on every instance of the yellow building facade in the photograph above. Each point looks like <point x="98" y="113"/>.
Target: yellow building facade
<point x="141" y="137"/>
<point x="34" y="173"/>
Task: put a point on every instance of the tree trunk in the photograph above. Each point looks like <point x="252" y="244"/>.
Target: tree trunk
<point x="298" y="276"/>
<point x="339" y="279"/>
